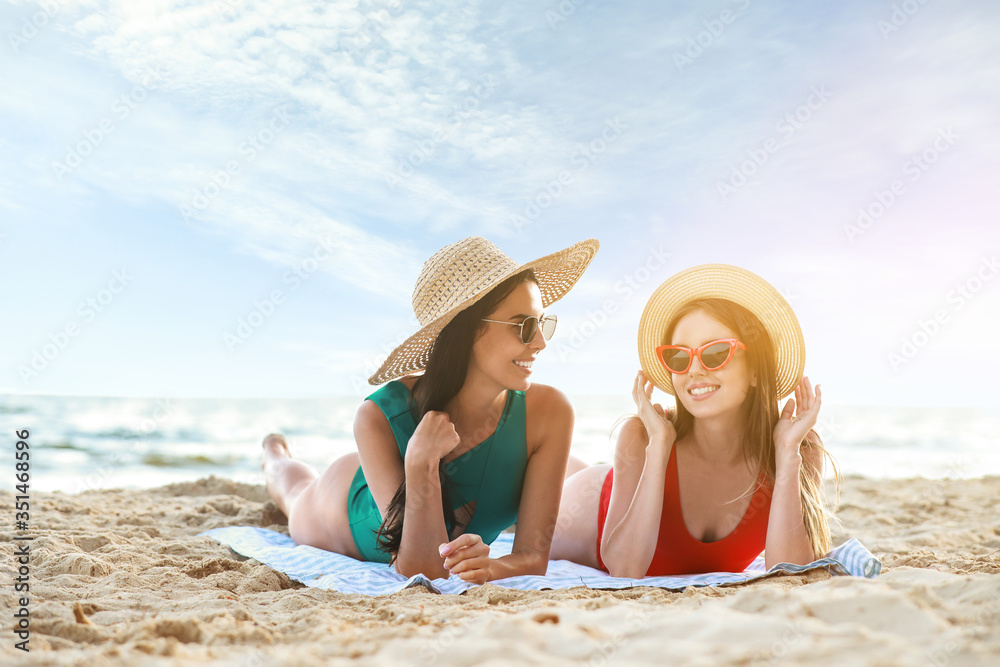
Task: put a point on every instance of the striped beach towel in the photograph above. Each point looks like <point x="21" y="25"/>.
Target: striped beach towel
<point x="327" y="570"/>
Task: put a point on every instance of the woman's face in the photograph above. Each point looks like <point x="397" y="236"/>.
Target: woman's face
<point x="706" y="393"/>
<point x="499" y="353"/>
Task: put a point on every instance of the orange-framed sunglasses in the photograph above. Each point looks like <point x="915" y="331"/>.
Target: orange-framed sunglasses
<point x="713" y="356"/>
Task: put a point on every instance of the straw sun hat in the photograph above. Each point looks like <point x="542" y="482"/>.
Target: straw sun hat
<point x="462" y="273"/>
<point x="723" y="281"/>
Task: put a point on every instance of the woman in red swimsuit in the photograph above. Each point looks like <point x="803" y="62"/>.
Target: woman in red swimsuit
<point x="710" y="485"/>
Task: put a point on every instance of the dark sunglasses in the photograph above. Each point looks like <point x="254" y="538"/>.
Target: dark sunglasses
<point x="712" y="356"/>
<point x="531" y="326"/>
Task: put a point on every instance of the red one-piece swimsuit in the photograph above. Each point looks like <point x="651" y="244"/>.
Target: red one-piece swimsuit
<point x="677" y="552"/>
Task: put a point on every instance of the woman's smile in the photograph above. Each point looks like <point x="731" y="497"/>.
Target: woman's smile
<point x="701" y="391"/>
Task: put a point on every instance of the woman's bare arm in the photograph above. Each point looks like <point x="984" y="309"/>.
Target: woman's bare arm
<point x="423" y="528"/>
<point x="632" y="527"/>
<point x="787" y="539"/>
<point x="633" y="521"/>
<point x="550" y="418"/>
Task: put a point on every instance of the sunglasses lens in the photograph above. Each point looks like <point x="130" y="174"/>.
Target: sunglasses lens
<point x="676" y="360"/>
<point x="548" y="326"/>
<point x="715" y="355"/>
<point x="528" y="330"/>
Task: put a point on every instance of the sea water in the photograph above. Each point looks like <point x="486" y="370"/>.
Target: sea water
<point x="80" y="443"/>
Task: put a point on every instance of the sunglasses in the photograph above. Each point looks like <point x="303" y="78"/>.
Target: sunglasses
<point x="531" y="326"/>
<point x="712" y="356"/>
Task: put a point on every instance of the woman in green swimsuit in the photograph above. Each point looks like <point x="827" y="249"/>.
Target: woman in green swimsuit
<point x="465" y="449"/>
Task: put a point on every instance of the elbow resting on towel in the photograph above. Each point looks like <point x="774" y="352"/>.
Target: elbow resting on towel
<point x="429" y="570"/>
<point x="625" y="572"/>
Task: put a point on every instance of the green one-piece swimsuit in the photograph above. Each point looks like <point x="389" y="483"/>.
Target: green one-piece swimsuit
<point x="491" y="474"/>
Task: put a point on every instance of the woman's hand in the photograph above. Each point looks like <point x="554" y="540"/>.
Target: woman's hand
<point x="468" y="557"/>
<point x="433" y="439"/>
<point x="797" y="418"/>
<point x="653" y="416"/>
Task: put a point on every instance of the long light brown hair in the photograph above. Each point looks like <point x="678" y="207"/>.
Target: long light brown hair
<point x="760" y="410"/>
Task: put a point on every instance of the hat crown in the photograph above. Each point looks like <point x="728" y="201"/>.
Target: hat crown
<point x="457" y="273"/>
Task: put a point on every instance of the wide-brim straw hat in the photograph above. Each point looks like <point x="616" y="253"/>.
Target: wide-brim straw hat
<point x="723" y="281"/>
<point x="462" y="273"/>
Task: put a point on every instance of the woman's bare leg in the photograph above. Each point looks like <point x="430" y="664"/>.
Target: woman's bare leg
<point x="573" y="466"/>
<point x="316" y="505"/>
<point x="286" y="477"/>
<point x="575" y="537"/>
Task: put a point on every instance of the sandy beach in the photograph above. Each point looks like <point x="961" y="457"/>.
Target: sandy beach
<point x="121" y="578"/>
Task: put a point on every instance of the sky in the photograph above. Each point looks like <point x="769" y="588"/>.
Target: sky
<point x="234" y="198"/>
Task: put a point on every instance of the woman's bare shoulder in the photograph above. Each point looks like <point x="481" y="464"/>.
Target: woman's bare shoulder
<point x="545" y="395"/>
<point x="549" y="416"/>
<point x="370" y="420"/>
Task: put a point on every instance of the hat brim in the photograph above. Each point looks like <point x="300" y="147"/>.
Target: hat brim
<point x="556" y="274"/>
<point x="723" y="281"/>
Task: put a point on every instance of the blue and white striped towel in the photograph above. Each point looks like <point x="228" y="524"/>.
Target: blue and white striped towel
<point x="325" y="569"/>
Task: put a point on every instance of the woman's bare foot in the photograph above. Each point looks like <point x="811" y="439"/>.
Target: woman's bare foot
<point x="275" y="446"/>
<point x="284" y="477"/>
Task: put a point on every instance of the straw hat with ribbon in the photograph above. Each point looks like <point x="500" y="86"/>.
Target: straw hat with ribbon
<point x="723" y="281"/>
<point x="462" y="273"/>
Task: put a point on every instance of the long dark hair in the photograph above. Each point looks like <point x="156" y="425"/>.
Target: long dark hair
<point x="441" y="382"/>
